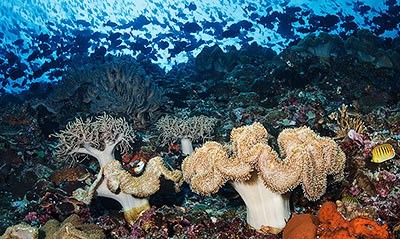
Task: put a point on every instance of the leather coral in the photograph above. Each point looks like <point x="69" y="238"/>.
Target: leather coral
<point x="260" y="176"/>
<point x="99" y="138"/>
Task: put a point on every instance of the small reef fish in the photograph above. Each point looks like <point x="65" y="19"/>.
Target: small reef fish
<point x="382" y="153"/>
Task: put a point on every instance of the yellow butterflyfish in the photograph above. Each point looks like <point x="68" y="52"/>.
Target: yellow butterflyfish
<point x="382" y="153"/>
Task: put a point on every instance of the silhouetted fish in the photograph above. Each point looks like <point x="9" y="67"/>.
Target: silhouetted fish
<point x="192" y="7"/>
<point x="56" y="74"/>
<point x="163" y="45"/>
<point x="16" y="73"/>
<point x="125" y="36"/>
<point x="43" y="37"/>
<point x="139" y="22"/>
<point x="116" y="43"/>
<point x="44" y="46"/>
<point x="18" y="42"/>
<point x="83" y="23"/>
<point x="110" y="23"/>
<point x="179" y="46"/>
<point x="99" y="52"/>
<point x="11" y="58"/>
<point x="234" y="29"/>
<point x="191" y="27"/>
<point x="38" y="73"/>
<point x="139" y="44"/>
<point x="114" y="36"/>
<point x="324" y="23"/>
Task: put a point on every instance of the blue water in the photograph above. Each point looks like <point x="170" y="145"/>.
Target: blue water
<point x="38" y="37"/>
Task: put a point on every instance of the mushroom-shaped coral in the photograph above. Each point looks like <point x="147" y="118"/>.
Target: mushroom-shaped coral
<point x="186" y="129"/>
<point x="99" y="139"/>
<point x="258" y="174"/>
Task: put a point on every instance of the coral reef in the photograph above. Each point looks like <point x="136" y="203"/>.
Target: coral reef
<point x="95" y="138"/>
<point x="308" y="160"/>
<point x="324" y="45"/>
<point x="206" y="220"/>
<point x="69" y="174"/>
<point x="121" y="85"/>
<point x="364" y="45"/>
<point x="355" y="76"/>
<point x="214" y="59"/>
<point x="99" y="139"/>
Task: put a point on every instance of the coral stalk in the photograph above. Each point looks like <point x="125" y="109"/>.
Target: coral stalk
<point x="263" y="206"/>
<point x="132" y="207"/>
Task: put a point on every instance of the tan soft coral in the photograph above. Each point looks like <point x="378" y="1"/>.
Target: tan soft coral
<point x="260" y="176"/>
<point x="185" y="129"/>
<point x="99" y="139"/>
<point x="21" y="231"/>
<point x="72" y="227"/>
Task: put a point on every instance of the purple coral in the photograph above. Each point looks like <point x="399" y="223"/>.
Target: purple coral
<point x="386" y="182"/>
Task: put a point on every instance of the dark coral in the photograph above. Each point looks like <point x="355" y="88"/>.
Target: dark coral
<point x="119" y="85"/>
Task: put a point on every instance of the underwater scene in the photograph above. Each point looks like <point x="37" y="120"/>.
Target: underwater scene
<point x="185" y="119"/>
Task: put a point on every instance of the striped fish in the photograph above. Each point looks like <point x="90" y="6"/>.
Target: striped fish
<point x="382" y="152"/>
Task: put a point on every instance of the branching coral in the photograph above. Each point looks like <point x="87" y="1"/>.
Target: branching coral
<point x="96" y="138"/>
<point x="347" y="122"/>
<point x="99" y="138"/>
<point x="186" y="129"/>
<point x="258" y="174"/>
